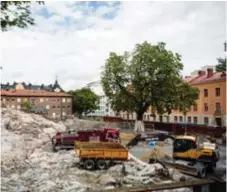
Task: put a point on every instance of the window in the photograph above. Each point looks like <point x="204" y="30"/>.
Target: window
<point x="53" y="106"/>
<point x="18" y="100"/>
<point x="47" y="107"/>
<point x="195" y="120"/>
<point x="53" y="100"/>
<point x="63" y="114"/>
<point x="195" y="107"/>
<point x="63" y="100"/>
<point x="63" y="106"/>
<point x="206" y="120"/>
<point x="218" y="92"/>
<point x="68" y="106"/>
<point x="205" y="107"/>
<point x="18" y="106"/>
<point x="25" y="99"/>
<point x="13" y="99"/>
<point x="41" y="100"/>
<point x="69" y="100"/>
<point x="218" y="106"/>
<point x="167" y="118"/>
<point x="175" y="118"/>
<point x="12" y="106"/>
<point x="205" y="92"/>
<point x="181" y="118"/>
<point x="58" y="106"/>
<point x="189" y="119"/>
<point x="47" y="99"/>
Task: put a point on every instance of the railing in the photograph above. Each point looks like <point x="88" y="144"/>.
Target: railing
<point x="196" y="185"/>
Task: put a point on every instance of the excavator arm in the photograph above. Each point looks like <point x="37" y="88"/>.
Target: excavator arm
<point x="134" y="141"/>
<point x="155" y="137"/>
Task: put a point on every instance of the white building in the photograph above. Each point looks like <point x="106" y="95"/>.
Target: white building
<point x="104" y="105"/>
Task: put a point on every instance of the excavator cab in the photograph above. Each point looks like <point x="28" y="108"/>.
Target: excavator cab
<point x="196" y="149"/>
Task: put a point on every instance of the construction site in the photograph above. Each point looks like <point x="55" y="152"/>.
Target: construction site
<point x="83" y="155"/>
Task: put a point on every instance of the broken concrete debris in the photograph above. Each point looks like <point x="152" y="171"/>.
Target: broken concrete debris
<point x="28" y="163"/>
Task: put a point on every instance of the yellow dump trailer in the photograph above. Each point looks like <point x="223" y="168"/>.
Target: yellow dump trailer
<point x="100" y="154"/>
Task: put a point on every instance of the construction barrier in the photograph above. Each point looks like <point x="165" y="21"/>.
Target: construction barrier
<point x="175" y="128"/>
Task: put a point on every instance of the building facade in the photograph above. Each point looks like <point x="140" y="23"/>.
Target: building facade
<point x="104" y="106"/>
<point x="57" y="105"/>
<point x="210" y="108"/>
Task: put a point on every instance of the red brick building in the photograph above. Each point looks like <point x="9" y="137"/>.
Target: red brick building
<point x="56" y="104"/>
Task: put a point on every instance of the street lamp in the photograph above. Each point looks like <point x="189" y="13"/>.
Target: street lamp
<point x="225" y="46"/>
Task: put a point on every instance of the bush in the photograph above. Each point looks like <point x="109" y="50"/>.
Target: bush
<point x="26" y="106"/>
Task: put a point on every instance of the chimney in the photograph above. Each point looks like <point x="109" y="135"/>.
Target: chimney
<point x="209" y="72"/>
<point x="223" y="74"/>
<point x="200" y="73"/>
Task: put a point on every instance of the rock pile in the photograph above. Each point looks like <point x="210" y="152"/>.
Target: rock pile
<point x="28" y="164"/>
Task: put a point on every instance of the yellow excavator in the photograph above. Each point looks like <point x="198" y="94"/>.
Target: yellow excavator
<point x="195" y="152"/>
<point x="196" y="149"/>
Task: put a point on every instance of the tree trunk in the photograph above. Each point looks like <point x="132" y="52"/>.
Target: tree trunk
<point x="185" y="125"/>
<point x="139" y="125"/>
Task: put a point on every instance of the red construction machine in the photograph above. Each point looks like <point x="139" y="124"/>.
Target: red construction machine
<point x="66" y="140"/>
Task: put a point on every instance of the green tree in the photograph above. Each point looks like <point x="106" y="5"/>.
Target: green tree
<point x="221" y="66"/>
<point x="27" y="106"/>
<point x="148" y="76"/>
<point x="85" y="101"/>
<point x="16" y="13"/>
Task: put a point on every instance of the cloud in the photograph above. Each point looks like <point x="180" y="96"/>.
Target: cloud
<point x="73" y="39"/>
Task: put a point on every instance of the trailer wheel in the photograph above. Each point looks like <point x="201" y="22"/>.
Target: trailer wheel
<point x="89" y="164"/>
<point x="101" y="164"/>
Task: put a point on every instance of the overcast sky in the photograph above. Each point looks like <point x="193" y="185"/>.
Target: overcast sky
<point x="73" y="39"/>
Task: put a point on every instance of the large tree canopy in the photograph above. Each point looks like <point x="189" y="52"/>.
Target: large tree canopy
<point x="85" y="101"/>
<point x="148" y="76"/>
<point x="16" y="13"/>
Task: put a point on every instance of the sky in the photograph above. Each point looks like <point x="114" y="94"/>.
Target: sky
<point x="72" y="40"/>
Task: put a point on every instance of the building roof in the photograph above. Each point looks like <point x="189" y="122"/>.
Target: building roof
<point x="33" y="93"/>
<point x="203" y="78"/>
<point x="29" y="86"/>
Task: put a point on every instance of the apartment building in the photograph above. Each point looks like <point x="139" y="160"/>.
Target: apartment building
<point x="210" y="108"/>
<point x="56" y="104"/>
<point x="104" y="106"/>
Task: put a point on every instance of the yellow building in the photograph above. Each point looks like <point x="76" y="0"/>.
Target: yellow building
<point x="211" y="105"/>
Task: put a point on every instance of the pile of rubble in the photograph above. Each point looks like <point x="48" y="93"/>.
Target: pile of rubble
<point x="28" y="164"/>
